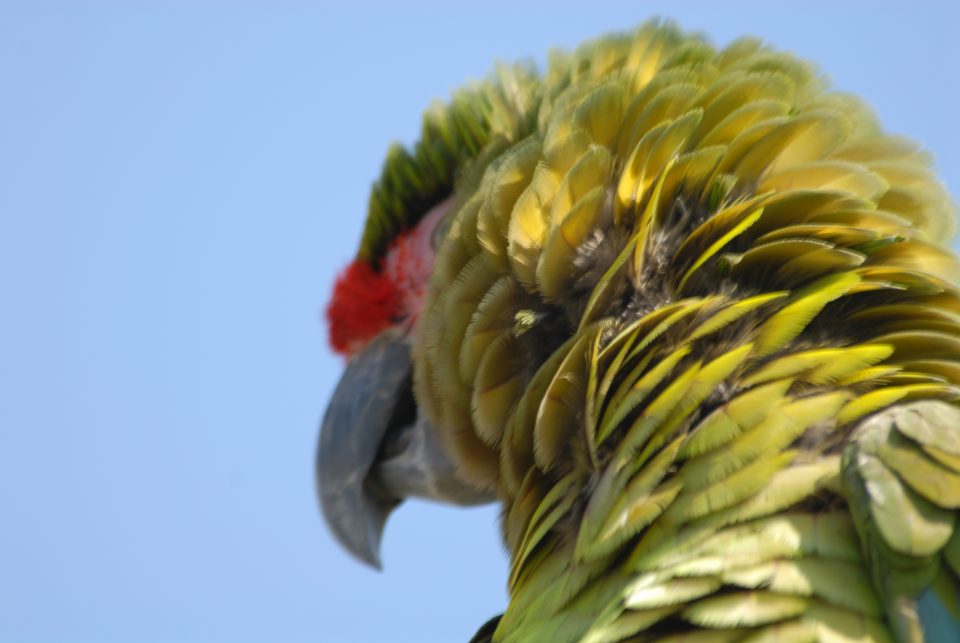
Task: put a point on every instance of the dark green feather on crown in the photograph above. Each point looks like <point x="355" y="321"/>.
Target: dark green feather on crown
<point x="453" y="135"/>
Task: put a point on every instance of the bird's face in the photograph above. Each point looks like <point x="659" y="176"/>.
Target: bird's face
<point x="380" y="436"/>
<point x="376" y="446"/>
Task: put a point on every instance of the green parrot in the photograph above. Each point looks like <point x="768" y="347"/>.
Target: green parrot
<point x="689" y="316"/>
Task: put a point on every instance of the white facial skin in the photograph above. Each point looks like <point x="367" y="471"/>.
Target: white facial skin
<point x="409" y="261"/>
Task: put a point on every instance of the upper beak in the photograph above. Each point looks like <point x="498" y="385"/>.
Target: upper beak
<point x="375" y="450"/>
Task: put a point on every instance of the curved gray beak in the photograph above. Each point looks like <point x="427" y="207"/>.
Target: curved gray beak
<point x="375" y="450"/>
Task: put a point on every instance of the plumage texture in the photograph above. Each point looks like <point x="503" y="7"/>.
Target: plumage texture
<point x="478" y="120"/>
<point x="693" y="321"/>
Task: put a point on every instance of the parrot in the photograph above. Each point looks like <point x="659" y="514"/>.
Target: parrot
<point x="689" y="315"/>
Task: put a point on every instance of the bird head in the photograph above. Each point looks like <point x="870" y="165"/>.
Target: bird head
<point x="570" y="273"/>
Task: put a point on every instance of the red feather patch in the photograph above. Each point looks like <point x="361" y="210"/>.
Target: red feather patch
<point x="364" y="303"/>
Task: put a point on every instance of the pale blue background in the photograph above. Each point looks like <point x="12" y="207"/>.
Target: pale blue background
<point x="179" y="183"/>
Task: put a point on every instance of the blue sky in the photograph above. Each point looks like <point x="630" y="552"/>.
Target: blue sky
<point x="179" y="183"/>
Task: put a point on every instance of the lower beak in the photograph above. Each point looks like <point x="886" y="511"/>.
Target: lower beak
<point x="375" y="450"/>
